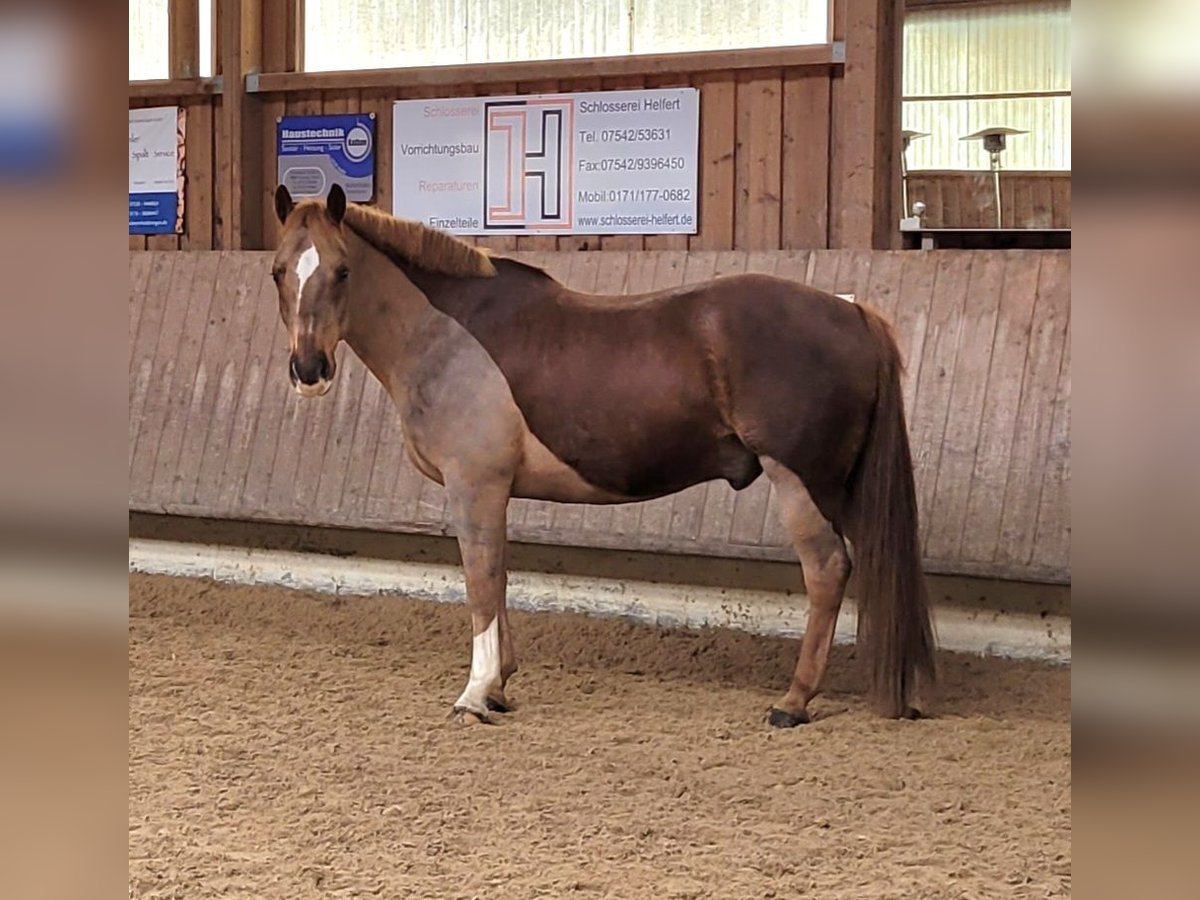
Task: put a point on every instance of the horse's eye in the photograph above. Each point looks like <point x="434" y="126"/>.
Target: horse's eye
<point x="277" y="275"/>
<point x="343" y="272"/>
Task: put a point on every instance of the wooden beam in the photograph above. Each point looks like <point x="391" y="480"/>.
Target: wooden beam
<point x="183" y="28"/>
<point x="864" y="163"/>
<point x="239" y="132"/>
<point x="820" y="55"/>
<point x="282" y="34"/>
<point x="174" y="88"/>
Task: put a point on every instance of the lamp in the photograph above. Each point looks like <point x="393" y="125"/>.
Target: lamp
<point x="994" y="142"/>
<point x="907" y="136"/>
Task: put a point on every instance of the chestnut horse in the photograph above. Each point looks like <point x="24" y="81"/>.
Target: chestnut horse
<point x="510" y="385"/>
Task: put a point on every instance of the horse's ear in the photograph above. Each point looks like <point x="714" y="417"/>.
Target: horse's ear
<point x="335" y="204"/>
<point x="283" y="203"/>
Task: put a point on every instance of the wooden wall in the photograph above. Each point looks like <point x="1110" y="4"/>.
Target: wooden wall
<point x="216" y="430"/>
<point x="763" y="156"/>
<point x="968" y="199"/>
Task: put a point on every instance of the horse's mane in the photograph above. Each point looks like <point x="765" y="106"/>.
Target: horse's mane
<point x="403" y="240"/>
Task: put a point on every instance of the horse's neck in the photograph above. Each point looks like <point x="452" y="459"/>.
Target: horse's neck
<point x="387" y="313"/>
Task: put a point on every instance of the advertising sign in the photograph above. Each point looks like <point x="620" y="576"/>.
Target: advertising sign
<point x="314" y="152"/>
<point x="610" y="162"/>
<point x="156" y="141"/>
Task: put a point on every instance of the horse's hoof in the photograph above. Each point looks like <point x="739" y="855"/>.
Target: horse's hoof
<point x="460" y="715"/>
<point x="499" y="705"/>
<point x="780" y="718"/>
<point x="911" y="712"/>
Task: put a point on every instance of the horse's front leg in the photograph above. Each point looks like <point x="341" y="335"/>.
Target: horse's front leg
<point x="480" y="514"/>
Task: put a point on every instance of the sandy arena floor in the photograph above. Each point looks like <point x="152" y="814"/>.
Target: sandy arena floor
<point x="290" y="745"/>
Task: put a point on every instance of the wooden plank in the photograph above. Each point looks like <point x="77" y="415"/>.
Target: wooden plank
<point x="142" y="357"/>
<point x="206" y="311"/>
<point x="347" y="404"/>
<point x="758" y="160"/>
<point x="223" y="169"/>
<point x="267" y="375"/>
<point x="1052" y="544"/>
<point x="381" y="104"/>
<point x="373" y="407"/>
<point x="209" y="420"/>
<point x="388" y="465"/>
<point x="865" y="126"/>
<point x="162" y="242"/>
<point x="790" y="264"/>
<point x="1041" y="203"/>
<point x="183" y="38"/>
<point x="441" y="77"/>
<point x="279" y="35"/>
<point x="883" y="287"/>
<point x="224" y="427"/>
<point x="198" y="174"/>
<point x="273" y="109"/>
<point x="313" y="450"/>
<point x="1001" y="403"/>
<point x="1035" y="414"/>
<point x="805" y="161"/>
<point x="139" y="274"/>
<point x="137" y="242"/>
<point x="718" y="119"/>
<point x="1061" y="202"/>
<point x="823" y="269"/>
<point x="240" y="165"/>
<point x="854" y="275"/>
<point x="917" y="283"/>
<point x="945" y="516"/>
<point x="931" y="405"/>
<point x="1009" y="202"/>
<point x="153" y="412"/>
<point x="730" y="262"/>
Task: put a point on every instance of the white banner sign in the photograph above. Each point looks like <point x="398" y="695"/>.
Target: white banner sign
<point x="156" y="138"/>
<point x="613" y="162"/>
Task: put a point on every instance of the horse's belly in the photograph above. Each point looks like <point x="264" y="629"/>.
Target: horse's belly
<point x="543" y="476"/>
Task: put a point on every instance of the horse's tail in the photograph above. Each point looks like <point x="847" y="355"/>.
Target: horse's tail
<point x="895" y="635"/>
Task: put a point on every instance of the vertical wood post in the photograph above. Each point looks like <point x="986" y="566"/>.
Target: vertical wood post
<point x="183" y="26"/>
<point x="239" y="131"/>
<point x="864" y="166"/>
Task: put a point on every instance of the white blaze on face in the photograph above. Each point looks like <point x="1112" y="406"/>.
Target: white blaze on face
<point x="485" y="669"/>
<point x="305" y="266"/>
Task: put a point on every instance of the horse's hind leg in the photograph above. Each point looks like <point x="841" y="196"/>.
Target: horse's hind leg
<point x="480" y="518"/>
<point x="826" y="568"/>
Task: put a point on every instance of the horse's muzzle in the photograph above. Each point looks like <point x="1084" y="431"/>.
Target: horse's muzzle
<point x="312" y="374"/>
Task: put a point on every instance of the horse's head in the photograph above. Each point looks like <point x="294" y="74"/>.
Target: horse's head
<point x="311" y="272"/>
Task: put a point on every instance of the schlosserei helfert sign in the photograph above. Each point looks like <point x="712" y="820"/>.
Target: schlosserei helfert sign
<point x="314" y="152"/>
<point x="609" y="162"/>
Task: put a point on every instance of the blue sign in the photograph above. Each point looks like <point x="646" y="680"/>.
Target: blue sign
<point x="315" y="152"/>
<point x="153" y="213"/>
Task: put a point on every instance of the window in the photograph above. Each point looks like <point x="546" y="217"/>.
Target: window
<point x="971" y="68"/>
<point x="148" y="39"/>
<point x="360" y="34"/>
